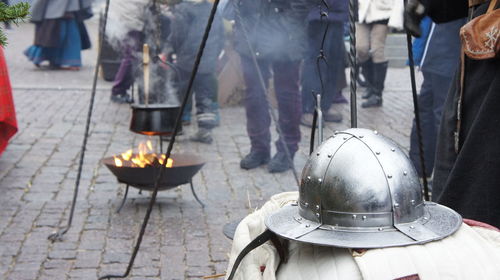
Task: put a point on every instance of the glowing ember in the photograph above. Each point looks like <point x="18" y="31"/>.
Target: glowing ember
<point x="144" y="157"/>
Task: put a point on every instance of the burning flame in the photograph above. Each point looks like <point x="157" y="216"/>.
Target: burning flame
<point x="144" y="157"/>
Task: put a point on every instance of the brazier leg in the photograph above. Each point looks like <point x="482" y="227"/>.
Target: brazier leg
<point x="194" y="194"/>
<point x="123" y="201"/>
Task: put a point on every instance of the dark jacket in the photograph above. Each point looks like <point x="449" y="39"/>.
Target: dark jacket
<point x="276" y="29"/>
<point x="338" y="11"/>
<point x="188" y="26"/>
<point x="469" y="181"/>
<point x="442" y="53"/>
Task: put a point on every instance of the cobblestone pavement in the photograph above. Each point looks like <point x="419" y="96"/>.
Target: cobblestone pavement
<point x="183" y="240"/>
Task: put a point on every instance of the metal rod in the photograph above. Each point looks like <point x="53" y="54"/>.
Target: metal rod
<point x="123" y="200"/>
<point x="320" y="119"/>
<point x="417" y="114"/>
<point x="194" y="194"/>
<point x="187" y="95"/>
<point x="58" y="235"/>
<point x="352" y="60"/>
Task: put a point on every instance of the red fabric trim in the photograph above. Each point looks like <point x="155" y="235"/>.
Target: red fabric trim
<point x="474" y="223"/>
<point x="409" y="277"/>
<point x="8" y="123"/>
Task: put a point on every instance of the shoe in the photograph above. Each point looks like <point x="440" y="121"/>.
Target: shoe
<point x="307" y="119"/>
<point x="279" y="163"/>
<point x="254" y="159"/>
<point x="372" y="101"/>
<point x="339" y="99"/>
<point x="121" y="98"/>
<point x="203" y="135"/>
<point x="367" y="93"/>
<point x="332" y="116"/>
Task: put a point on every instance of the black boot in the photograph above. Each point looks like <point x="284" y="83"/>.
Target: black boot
<point x="366" y="70"/>
<point x="379" y="73"/>
<point x="254" y="159"/>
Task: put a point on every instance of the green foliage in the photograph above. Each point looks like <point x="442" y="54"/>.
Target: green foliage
<point x="12" y="14"/>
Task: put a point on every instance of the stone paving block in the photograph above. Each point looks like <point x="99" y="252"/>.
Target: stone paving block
<point x="87" y="259"/>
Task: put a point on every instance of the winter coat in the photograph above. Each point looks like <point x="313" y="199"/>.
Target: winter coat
<point x="370" y="11"/>
<point x="124" y="16"/>
<point x="188" y="26"/>
<point x="338" y="11"/>
<point x="468" y="181"/>
<point x="54" y="9"/>
<point x="275" y="29"/>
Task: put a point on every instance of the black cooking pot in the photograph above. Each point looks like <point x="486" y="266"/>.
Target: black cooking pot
<point x="154" y="119"/>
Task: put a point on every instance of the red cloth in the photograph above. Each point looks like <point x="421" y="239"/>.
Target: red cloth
<point x="8" y="123"/>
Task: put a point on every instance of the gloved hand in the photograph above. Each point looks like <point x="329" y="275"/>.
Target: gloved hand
<point x="414" y="12"/>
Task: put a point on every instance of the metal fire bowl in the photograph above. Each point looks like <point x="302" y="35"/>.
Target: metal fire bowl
<point x="184" y="168"/>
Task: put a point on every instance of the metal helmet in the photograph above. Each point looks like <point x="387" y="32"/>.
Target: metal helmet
<point x="360" y="190"/>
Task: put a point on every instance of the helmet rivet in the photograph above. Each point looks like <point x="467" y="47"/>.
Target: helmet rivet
<point x="375" y="132"/>
<point x="317" y="207"/>
<point x="345" y="138"/>
<point x="412" y="227"/>
<point x="299" y="219"/>
<point x="392" y="149"/>
<point x="412" y="202"/>
<point x="330" y="156"/>
<point x="396" y="204"/>
<point x="317" y="215"/>
<point x="380" y="229"/>
<point x="308" y="177"/>
<point x="308" y="225"/>
<point x="364" y="218"/>
<point x="320" y="180"/>
<point x="317" y="154"/>
<point x="389" y="176"/>
<point x="306" y="204"/>
<point x="377" y="153"/>
<point x="354" y="217"/>
<point x="425" y="218"/>
<point x="336" y="132"/>
<point x="405" y="173"/>
<point x="361" y="136"/>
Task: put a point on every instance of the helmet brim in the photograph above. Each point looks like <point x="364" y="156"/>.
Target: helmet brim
<point x="437" y="223"/>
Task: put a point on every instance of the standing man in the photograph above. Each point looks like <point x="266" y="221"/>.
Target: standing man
<point x="374" y="19"/>
<point x="333" y="65"/>
<point x="273" y="33"/>
<point x="439" y="64"/>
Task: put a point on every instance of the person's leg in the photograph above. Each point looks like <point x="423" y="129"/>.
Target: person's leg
<point x="365" y="63"/>
<point x="335" y="71"/>
<point x="124" y="78"/>
<point x="427" y="122"/>
<point x="203" y="88"/>
<point x="286" y="85"/>
<point x="257" y="113"/>
<point x="378" y="35"/>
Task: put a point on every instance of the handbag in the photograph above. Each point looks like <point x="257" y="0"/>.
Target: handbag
<point x="481" y="36"/>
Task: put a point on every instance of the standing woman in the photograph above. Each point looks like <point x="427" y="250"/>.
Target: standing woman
<point x="374" y="19"/>
<point x="60" y="33"/>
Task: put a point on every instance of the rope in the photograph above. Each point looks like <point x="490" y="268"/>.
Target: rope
<point x="58" y="235"/>
<point x="187" y="95"/>
<point x="417" y="113"/>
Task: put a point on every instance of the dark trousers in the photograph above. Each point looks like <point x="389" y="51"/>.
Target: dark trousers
<point x="204" y="88"/>
<point x="124" y="78"/>
<point x="286" y="86"/>
<point x="332" y="69"/>
<point x="430" y="101"/>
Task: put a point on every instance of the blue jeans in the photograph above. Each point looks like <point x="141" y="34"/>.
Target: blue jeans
<point x="430" y="101"/>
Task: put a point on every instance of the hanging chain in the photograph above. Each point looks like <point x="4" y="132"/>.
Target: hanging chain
<point x="353" y="10"/>
<point x="58" y="235"/>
